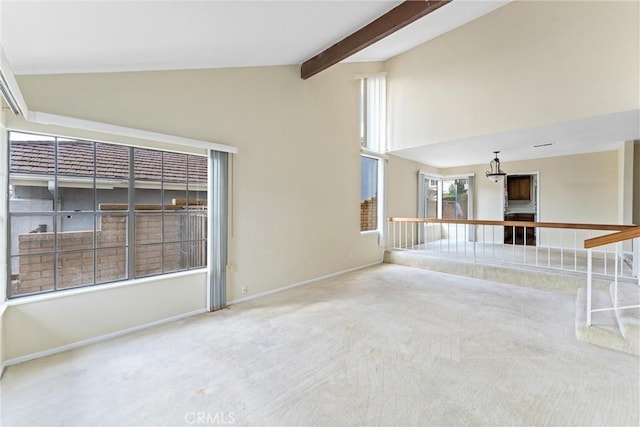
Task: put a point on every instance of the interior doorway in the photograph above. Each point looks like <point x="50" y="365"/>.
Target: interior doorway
<point x="520" y="204"/>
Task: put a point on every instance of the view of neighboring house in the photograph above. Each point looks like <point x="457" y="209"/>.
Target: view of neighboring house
<point x="70" y="207"/>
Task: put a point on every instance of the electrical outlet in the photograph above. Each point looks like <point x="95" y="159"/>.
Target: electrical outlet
<point x="244" y="290"/>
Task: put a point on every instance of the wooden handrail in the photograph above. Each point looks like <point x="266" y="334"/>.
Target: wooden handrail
<point x="612" y="238"/>
<point x="567" y="225"/>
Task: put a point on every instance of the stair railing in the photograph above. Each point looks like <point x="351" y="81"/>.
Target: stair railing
<point x="617" y="239"/>
<point x="540" y="245"/>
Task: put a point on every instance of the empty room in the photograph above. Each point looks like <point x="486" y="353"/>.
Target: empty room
<point x="322" y="213"/>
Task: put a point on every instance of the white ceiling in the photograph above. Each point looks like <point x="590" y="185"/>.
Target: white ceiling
<point x="48" y="37"/>
<point x="602" y="133"/>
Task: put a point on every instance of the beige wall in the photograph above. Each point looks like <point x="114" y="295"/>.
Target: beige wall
<point x="526" y="64"/>
<point x="402" y="183"/>
<point x="636" y="183"/>
<point x="580" y="188"/>
<point x="625" y="183"/>
<point x="38" y="324"/>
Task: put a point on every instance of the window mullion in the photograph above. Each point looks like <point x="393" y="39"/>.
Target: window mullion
<point x="56" y="214"/>
<point x="131" y="218"/>
<point x="95" y="215"/>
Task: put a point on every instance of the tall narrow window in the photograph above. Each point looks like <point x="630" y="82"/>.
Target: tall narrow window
<point x="369" y="193"/>
<point x="373" y="113"/>
<point x="431" y="198"/>
<point x="373" y="105"/>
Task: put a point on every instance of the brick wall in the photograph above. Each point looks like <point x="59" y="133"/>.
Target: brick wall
<point x="369" y="214"/>
<point x="36" y="272"/>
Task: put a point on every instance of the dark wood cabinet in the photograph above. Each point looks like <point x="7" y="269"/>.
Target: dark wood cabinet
<point x="519" y="187"/>
<point x="516" y="235"/>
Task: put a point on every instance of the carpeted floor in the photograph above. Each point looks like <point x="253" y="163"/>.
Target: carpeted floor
<point x="389" y="345"/>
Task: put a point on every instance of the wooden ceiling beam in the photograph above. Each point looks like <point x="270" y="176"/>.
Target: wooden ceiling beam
<point x="398" y="17"/>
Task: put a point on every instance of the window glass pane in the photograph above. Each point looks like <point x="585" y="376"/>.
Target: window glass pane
<point x="112" y="173"/>
<point x="175" y="196"/>
<point x="175" y="256"/>
<point x="32" y="167"/>
<point x="31" y="234"/>
<point x="197" y="179"/>
<point x="174" y="227"/>
<point x="174" y="167"/>
<point x="74" y="269"/>
<point x="27" y="194"/>
<point x="431" y="198"/>
<point x="197" y="226"/>
<point x="112" y="195"/>
<point x="31" y="154"/>
<point x="111" y="264"/>
<point x="455" y="199"/>
<point x="75" y="197"/>
<point x="34" y="274"/>
<point x="148" y="197"/>
<point x="112" y="161"/>
<point x="368" y="194"/>
<point x="148" y="260"/>
<point x="75" y="232"/>
<point x="111" y="230"/>
<point x="147" y="164"/>
<point x="148" y="228"/>
<point x="198" y="254"/>
<point x="76" y="159"/>
<point x="148" y="179"/>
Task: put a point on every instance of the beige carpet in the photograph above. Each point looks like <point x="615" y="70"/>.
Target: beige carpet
<point x="389" y="345"/>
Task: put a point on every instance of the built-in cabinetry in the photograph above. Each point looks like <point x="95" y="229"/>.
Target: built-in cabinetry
<point x="519" y="187"/>
<point x="518" y="233"/>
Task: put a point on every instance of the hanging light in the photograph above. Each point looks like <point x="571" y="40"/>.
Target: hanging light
<point x="495" y="173"/>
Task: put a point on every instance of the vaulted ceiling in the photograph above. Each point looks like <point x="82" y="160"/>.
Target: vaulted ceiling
<point x="49" y="37"/>
<point x="45" y="37"/>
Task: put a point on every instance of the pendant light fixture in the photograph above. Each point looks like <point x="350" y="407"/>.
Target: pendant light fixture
<point x="495" y="173"/>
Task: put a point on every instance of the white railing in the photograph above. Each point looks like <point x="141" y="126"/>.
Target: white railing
<point x="556" y="246"/>
<point x="618" y="239"/>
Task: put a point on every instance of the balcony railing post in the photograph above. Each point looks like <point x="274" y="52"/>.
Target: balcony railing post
<point x="636" y="258"/>
<point x="615" y="278"/>
<point x="589" y="265"/>
<point x="475" y="239"/>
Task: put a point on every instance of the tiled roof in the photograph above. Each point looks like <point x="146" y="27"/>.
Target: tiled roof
<point x="76" y="158"/>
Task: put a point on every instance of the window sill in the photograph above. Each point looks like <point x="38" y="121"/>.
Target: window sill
<point x="18" y="300"/>
<point x="365" y="233"/>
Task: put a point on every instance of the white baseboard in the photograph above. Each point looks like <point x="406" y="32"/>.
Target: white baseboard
<point x="295" y="285"/>
<point x="95" y="340"/>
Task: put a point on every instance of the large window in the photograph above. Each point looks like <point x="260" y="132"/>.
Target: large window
<point x="83" y="213"/>
<point x="373" y="143"/>
<point x="455" y="199"/>
<point x="444" y="198"/>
